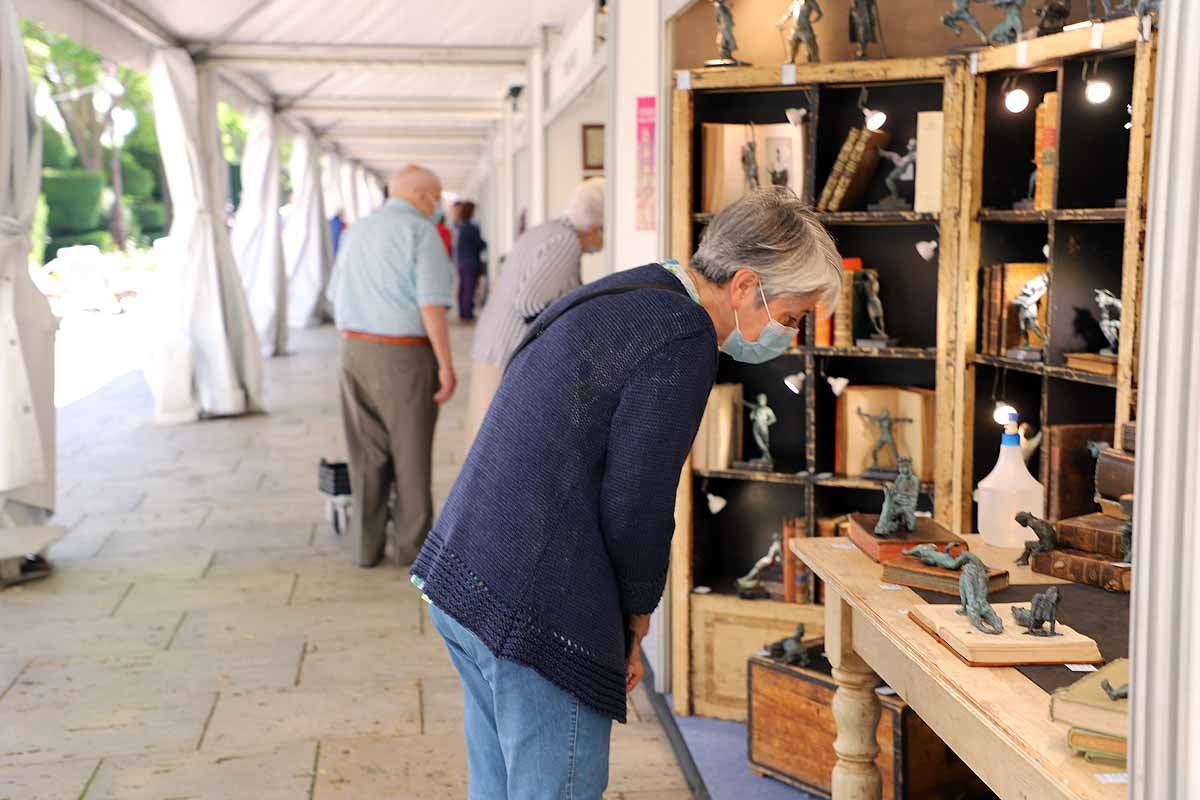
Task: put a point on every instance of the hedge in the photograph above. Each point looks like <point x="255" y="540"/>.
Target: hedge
<point x="55" y="153"/>
<point x="136" y="180"/>
<point x="151" y="215"/>
<point x="102" y="239"/>
<point x="73" y="196"/>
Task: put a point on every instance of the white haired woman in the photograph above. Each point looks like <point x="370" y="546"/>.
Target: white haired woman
<point x="543" y="266"/>
<point x="551" y="552"/>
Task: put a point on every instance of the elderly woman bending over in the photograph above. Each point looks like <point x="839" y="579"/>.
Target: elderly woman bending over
<point x="552" y="549"/>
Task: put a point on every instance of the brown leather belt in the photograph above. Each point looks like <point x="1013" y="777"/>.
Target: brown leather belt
<point x="411" y="341"/>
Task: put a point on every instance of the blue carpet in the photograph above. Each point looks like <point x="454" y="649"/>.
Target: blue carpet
<point x="719" y="750"/>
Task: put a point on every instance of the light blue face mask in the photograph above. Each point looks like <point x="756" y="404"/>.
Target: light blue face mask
<point x="773" y="342"/>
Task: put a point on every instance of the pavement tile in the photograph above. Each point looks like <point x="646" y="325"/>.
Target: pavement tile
<point x="130" y="633"/>
<point x="282" y="772"/>
<point x="248" y="720"/>
<point x="94" y="727"/>
<point x="385" y="584"/>
<point x="238" y="667"/>
<point x="642" y="760"/>
<point x="252" y="537"/>
<point x="382" y="660"/>
<point x="401" y="768"/>
<point x="159" y="519"/>
<point x="64" y="779"/>
<point x="317" y="622"/>
<point x="31" y="602"/>
<point x="442" y="705"/>
<point x="10" y="668"/>
<point x="299" y="510"/>
<point x="193" y="595"/>
<point x="331" y="559"/>
<point x="73" y="574"/>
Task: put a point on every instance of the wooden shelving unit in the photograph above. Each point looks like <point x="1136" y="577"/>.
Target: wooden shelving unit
<point x="710" y="550"/>
<point x="1094" y="236"/>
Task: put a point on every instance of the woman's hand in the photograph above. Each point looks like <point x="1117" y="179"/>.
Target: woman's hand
<point x="639" y="626"/>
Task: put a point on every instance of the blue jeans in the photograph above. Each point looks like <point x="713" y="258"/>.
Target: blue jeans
<point x="526" y="738"/>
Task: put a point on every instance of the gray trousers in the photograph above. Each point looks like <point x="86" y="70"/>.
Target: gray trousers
<point x="389" y="416"/>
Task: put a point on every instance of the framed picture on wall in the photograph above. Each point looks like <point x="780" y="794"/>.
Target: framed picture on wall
<point x="593" y="148"/>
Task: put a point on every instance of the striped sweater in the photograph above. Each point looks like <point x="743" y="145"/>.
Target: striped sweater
<point x="560" y="523"/>
<point x="542" y="267"/>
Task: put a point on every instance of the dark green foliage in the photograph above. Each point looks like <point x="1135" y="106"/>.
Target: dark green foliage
<point x="73" y="196"/>
<point x="235" y="184"/>
<point x="102" y="239"/>
<point x="56" y="153"/>
<point x="151" y="215"/>
<point x="136" y="180"/>
<point x="151" y="161"/>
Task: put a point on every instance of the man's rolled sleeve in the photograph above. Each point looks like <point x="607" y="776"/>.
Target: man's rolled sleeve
<point x="435" y="273"/>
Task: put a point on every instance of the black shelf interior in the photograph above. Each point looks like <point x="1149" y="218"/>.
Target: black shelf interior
<point x="788" y="435"/>
<point x="726" y="545"/>
<point x="1087" y="257"/>
<point x="839" y="112"/>
<point x="861" y="372"/>
<point x="1008" y="141"/>
<point x="1093" y="152"/>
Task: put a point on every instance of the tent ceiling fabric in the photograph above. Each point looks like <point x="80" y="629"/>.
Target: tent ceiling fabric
<point x="388" y="71"/>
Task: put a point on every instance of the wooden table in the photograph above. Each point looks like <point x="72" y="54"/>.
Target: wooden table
<point x="995" y="719"/>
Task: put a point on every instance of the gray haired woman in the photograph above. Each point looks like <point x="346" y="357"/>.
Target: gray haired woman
<point x="551" y="552"/>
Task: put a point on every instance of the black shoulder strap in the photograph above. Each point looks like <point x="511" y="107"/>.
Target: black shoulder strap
<point x="545" y="320"/>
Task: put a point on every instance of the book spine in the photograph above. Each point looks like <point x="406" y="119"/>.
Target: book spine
<point x="839" y="167"/>
<point x="1114" y="474"/>
<point x="843" y="320"/>
<point x="1078" y="535"/>
<point x="860" y="170"/>
<point x="996" y="298"/>
<point x="1052" y="479"/>
<point x="789" y="561"/>
<point x="1129" y="437"/>
<point x="1047" y="153"/>
<point x="1081" y="568"/>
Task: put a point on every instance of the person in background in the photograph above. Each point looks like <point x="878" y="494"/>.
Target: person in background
<point x="337" y="225"/>
<point x="543" y="266"/>
<point x="391" y="285"/>
<point x="439" y="222"/>
<point x="551" y="551"/>
<point x="468" y="257"/>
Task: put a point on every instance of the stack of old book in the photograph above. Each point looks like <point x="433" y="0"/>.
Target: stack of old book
<point x="852" y="171"/>
<point x="1046" y="152"/>
<point x="1090" y="549"/>
<point x="1099" y="724"/>
<point x="1001" y="285"/>
<point x="842" y="331"/>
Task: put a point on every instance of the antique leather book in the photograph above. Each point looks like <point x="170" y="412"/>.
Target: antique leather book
<point x="881" y="548"/>
<point x="1080" y="567"/>
<point x="1114" y="473"/>
<point x="1096" y="533"/>
<point x="1068" y="471"/>
<point x="860" y="169"/>
<point x="1128" y="437"/>
<point x="1094" y="745"/>
<point x="913" y="572"/>
<point x="839" y="168"/>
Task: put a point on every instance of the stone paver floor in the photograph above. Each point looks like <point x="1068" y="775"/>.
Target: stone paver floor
<point x="205" y="635"/>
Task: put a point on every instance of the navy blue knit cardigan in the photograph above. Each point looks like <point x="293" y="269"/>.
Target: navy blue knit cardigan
<point x="560" y="522"/>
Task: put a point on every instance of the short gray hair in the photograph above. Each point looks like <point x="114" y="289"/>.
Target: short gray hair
<point x="770" y="231"/>
<point x="585" y="208"/>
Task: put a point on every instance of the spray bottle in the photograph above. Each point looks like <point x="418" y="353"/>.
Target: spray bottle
<point x="1007" y="489"/>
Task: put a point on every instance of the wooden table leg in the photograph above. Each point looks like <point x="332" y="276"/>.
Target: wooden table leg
<point x="855" y="709"/>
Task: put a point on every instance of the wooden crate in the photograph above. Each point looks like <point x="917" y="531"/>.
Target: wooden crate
<point x="727" y="630"/>
<point x="791" y="733"/>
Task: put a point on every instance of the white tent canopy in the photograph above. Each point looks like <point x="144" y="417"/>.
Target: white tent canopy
<point x="257" y="234"/>
<point x="307" y="245"/>
<point x="27" y="445"/>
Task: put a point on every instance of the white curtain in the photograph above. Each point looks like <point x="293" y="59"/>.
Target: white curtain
<point x="331" y="184"/>
<point x="307" y="244"/>
<point x="257" y="235"/>
<point x="27" y="433"/>
<point x="367" y="196"/>
<point x="349" y="189"/>
<point x="207" y="361"/>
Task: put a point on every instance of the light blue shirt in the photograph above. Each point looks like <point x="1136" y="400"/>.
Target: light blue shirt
<point x="389" y="265"/>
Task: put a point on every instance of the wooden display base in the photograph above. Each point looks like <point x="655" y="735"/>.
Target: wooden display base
<point x="915" y="573"/>
<point x="1012" y="648"/>
<point x="1096" y="363"/>
<point x="888" y="548"/>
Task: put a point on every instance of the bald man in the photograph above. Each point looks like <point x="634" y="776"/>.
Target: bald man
<point x="390" y="289"/>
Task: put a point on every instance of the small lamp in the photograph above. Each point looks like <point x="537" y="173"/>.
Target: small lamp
<point x="1003" y="412"/>
<point x="837" y="385"/>
<point x="873" y="118"/>
<point x="796" y="116"/>
<point x="716" y="503"/>
<point x="1016" y="99"/>
<point x="795" y="381"/>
